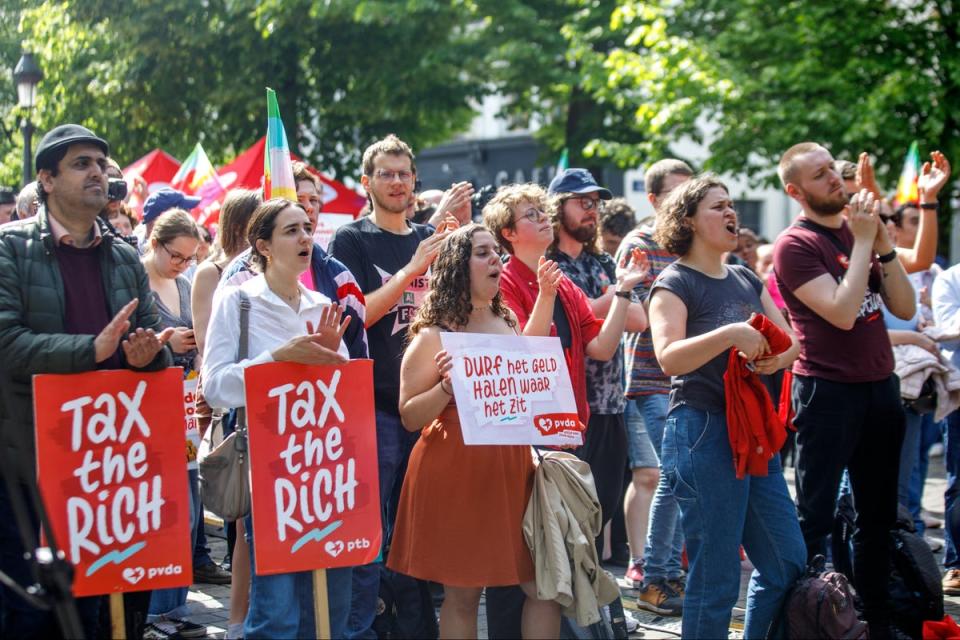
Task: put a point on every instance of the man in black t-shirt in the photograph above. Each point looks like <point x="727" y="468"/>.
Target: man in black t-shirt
<point x="390" y="257"/>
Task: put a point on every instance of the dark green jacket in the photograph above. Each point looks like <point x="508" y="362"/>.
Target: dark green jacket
<point x="32" y="337"/>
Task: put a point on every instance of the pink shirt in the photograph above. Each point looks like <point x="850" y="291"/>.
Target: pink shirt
<point x="62" y="236"/>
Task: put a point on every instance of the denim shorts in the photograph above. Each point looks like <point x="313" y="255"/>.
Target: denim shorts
<point x="640" y="451"/>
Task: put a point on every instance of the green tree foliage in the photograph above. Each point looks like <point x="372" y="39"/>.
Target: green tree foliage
<point x="857" y="75"/>
<point x="169" y="73"/>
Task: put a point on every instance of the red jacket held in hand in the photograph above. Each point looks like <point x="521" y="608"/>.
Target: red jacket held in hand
<point x="756" y="431"/>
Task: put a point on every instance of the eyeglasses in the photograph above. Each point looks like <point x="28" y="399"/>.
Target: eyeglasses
<point x="390" y="176"/>
<point x="896" y="218"/>
<point x="586" y="203"/>
<point x="177" y="259"/>
<point x="532" y="214"/>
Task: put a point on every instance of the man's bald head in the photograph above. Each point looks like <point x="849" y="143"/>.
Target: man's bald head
<point x="788" y="161"/>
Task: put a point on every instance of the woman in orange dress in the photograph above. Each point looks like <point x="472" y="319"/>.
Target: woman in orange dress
<point x="461" y="508"/>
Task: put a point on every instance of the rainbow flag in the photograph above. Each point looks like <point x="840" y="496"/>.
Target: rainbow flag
<point x="907" y="185"/>
<point x="197" y="177"/>
<point x="277" y="168"/>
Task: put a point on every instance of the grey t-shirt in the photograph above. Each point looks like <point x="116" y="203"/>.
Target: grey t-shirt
<point x="711" y="303"/>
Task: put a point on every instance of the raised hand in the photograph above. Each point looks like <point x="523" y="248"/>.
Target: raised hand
<point x="866" y="179"/>
<point x="933" y="177"/>
<point x="427" y="252"/>
<point x="863" y="216"/>
<point x="444" y="366"/>
<point x="548" y="277"/>
<point x="305" y="350"/>
<point x="329" y="329"/>
<point x="455" y="201"/>
<point x="105" y="344"/>
<point x="142" y="346"/>
<point x="633" y="269"/>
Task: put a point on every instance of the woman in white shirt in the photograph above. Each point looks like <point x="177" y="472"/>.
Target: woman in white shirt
<point x="287" y="322"/>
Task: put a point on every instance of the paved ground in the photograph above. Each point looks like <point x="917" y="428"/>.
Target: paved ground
<point x="211" y="604"/>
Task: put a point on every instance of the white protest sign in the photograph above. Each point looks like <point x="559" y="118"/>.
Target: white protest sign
<point x="512" y="390"/>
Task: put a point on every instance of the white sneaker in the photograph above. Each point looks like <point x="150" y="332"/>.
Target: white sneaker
<point x="632" y="624"/>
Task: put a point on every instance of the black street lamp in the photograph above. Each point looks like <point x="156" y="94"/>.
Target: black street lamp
<point x="26" y="76"/>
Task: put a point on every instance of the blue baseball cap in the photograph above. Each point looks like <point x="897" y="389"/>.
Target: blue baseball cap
<point x="577" y="181"/>
<point x="164" y="200"/>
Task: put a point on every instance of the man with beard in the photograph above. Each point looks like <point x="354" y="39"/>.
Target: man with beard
<point x="834" y="275"/>
<point x="389" y="256"/>
<point x="575" y="204"/>
<point x="73" y="299"/>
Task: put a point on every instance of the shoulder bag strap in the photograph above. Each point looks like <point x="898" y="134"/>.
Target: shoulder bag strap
<point x="242" y="355"/>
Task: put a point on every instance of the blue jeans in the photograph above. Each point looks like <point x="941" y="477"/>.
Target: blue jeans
<point x="281" y="605"/>
<point x="173" y="602"/>
<point x="394" y="443"/>
<point x="664" y="547"/>
<point x="951" y="527"/>
<point x="909" y="461"/>
<point x="719" y="513"/>
<point x="930" y="432"/>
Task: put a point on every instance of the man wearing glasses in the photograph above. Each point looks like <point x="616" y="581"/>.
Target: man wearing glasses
<point x="390" y="257"/>
<point x="576" y="201"/>
<point x="73" y="298"/>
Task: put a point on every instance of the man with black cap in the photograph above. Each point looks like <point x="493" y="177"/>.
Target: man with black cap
<point x="72" y="299"/>
<point x="8" y="203"/>
<point x="576" y="199"/>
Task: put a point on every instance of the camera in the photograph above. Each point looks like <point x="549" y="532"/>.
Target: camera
<point x="116" y="188"/>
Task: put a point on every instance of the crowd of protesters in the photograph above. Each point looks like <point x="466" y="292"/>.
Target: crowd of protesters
<point x="660" y="322"/>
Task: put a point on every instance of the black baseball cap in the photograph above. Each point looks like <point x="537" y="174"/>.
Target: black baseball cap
<point x="577" y="181"/>
<point x="61" y="137"/>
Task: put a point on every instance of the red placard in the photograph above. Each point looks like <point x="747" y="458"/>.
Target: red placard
<point x="112" y="475"/>
<point x="313" y="465"/>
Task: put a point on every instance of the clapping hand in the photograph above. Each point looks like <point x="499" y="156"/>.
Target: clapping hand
<point x="329" y="330"/>
<point x="142" y="346"/>
<point x="444" y="366"/>
<point x="866" y="179"/>
<point x="548" y="277"/>
<point x="933" y="176"/>
<point x="633" y="269"/>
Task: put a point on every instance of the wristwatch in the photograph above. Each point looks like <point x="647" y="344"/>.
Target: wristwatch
<point x="628" y="295"/>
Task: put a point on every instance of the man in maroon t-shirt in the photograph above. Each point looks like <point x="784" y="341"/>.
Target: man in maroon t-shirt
<point x="834" y="274"/>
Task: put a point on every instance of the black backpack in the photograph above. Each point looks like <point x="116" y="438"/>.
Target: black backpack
<point x="404" y="608"/>
<point x="916" y="592"/>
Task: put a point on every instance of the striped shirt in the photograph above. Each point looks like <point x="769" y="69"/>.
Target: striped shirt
<point x="643" y="373"/>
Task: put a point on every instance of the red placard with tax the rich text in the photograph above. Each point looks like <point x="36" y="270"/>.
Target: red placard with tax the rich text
<point x="313" y="465"/>
<point x="113" y="477"/>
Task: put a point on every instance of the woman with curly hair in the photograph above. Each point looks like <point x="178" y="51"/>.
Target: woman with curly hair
<point x="461" y="508"/>
<point x="700" y="309"/>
